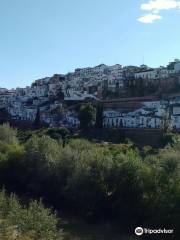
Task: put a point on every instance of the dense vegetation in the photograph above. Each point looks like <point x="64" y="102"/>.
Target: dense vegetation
<point x="98" y="181"/>
<point x="25" y="223"/>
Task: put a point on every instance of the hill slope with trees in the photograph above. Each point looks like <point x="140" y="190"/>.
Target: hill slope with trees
<point x="109" y="182"/>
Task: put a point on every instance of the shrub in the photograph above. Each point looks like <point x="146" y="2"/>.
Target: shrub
<point x="7" y="134"/>
<point x="32" y="222"/>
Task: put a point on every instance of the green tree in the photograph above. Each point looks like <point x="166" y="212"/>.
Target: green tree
<point x="31" y="223"/>
<point x="7" y="134"/>
<point x="86" y="116"/>
<point x="59" y="133"/>
<point x="37" y="122"/>
<point x="166" y="122"/>
<point x="99" y="116"/>
<point x="60" y="94"/>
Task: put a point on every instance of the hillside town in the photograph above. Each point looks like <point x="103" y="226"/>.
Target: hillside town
<point x="122" y="90"/>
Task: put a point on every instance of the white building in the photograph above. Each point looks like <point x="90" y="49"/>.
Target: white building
<point x="72" y="119"/>
<point x="175" y="115"/>
<point x="149" y="116"/>
<point x="147" y="74"/>
<point x="174" y="67"/>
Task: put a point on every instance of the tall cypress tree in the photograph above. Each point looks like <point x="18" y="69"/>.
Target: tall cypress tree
<point x="99" y="116"/>
<point x="37" y="121"/>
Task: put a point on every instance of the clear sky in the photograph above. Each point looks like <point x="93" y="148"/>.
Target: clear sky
<point x="41" y="37"/>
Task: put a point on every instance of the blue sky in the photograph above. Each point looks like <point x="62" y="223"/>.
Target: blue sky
<point x="41" y="37"/>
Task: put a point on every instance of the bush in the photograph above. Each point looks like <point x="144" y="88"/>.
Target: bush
<point x="31" y="222"/>
<point x="58" y="133"/>
<point x="7" y="134"/>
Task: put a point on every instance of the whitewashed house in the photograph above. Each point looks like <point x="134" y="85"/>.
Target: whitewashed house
<point x="30" y="113"/>
<point x="147" y="74"/>
<point x="112" y="118"/>
<point x="175" y="115"/>
<point x="72" y="119"/>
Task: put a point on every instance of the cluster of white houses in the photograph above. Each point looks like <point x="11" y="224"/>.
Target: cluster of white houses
<point x="152" y="114"/>
<point x="45" y="96"/>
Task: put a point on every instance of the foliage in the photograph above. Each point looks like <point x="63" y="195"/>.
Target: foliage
<point x="7" y="134"/>
<point x="171" y="139"/>
<point x="99" y="116"/>
<point x="33" y="222"/>
<point x="23" y="136"/>
<point x="37" y="121"/>
<point x="166" y="126"/>
<point x="58" y="133"/>
<point x="110" y="181"/>
<point x="60" y="94"/>
<point x="86" y="115"/>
